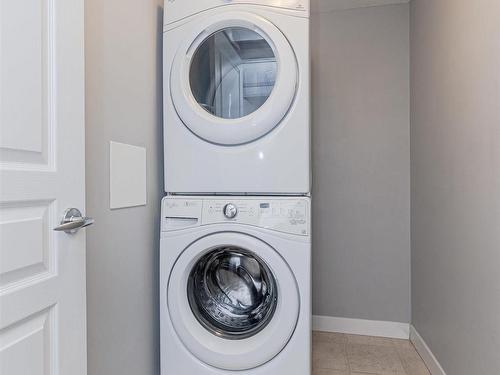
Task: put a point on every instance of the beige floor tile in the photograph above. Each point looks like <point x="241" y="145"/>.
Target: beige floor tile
<point x="323" y="371"/>
<point x="339" y="354"/>
<point x="319" y="337"/>
<point x="329" y="355"/>
<point x="369" y="340"/>
<point x="412" y="363"/>
<point x="378" y="359"/>
<point x="403" y="343"/>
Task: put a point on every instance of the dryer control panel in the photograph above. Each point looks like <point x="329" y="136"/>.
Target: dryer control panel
<point x="176" y="10"/>
<point x="287" y="215"/>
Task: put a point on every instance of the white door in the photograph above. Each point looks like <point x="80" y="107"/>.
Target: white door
<point x="42" y="272"/>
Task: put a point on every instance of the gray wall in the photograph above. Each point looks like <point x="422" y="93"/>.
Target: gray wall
<point x="361" y="161"/>
<point x="123" y="94"/>
<point x="455" y="132"/>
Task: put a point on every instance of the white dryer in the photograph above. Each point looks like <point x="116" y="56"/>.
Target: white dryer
<point x="236" y="96"/>
<point x="235" y="286"/>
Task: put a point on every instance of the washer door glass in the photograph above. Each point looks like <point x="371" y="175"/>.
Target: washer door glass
<point x="233" y="72"/>
<point x="232" y="293"/>
<point x="227" y="303"/>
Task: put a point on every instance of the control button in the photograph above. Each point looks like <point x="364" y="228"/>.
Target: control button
<point x="230" y="211"/>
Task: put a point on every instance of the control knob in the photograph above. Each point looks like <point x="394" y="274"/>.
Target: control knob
<point x="230" y="211"/>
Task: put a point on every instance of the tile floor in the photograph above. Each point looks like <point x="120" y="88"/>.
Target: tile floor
<point x="339" y="354"/>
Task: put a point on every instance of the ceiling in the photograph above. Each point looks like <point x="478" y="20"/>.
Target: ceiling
<point x="331" y="5"/>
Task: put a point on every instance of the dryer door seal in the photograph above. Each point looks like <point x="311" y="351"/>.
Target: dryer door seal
<point x="264" y="306"/>
<point x="234" y="79"/>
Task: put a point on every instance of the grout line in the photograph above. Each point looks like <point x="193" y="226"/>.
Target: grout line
<point x="403" y="362"/>
<point x="346" y="340"/>
<point x="419" y="356"/>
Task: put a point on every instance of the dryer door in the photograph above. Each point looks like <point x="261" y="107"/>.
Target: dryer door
<point x="233" y="301"/>
<point x="234" y="79"/>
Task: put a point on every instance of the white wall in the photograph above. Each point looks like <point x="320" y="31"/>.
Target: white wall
<point x="331" y="5"/>
<point x="361" y="161"/>
<point x="455" y="140"/>
<point x="123" y="94"/>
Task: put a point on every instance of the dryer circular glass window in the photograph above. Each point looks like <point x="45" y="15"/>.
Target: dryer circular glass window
<point x="234" y="78"/>
<point x="232" y="293"/>
<point x="233" y="72"/>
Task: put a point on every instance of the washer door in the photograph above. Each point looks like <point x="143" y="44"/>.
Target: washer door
<point x="233" y="301"/>
<point x="234" y="79"/>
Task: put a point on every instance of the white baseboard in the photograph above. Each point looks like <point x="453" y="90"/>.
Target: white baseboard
<point x="426" y="354"/>
<point x="361" y="327"/>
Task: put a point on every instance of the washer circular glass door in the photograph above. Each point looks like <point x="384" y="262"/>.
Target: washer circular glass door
<point x="229" y="296"/>
<point x="234" y="79"/>
<point x="232" y="292"/>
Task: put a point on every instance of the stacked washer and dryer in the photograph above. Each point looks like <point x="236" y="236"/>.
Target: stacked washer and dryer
<point x="235" y="249"/>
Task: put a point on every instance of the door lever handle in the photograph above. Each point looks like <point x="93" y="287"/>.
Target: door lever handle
<point x="73" y="221"/>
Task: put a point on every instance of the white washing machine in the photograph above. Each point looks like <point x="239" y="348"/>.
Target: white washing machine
<point x="236" y="96"/>
<point x="235" y="286"/>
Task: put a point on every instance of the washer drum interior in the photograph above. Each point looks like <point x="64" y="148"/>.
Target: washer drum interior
<point x="232" y="292"/>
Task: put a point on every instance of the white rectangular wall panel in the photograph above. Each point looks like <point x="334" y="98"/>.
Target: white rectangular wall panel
<point x="127" y="175"/>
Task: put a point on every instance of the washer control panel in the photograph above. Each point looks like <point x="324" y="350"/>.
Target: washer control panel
<point x="284" y="215"/>
<point x="287" y="215"/>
